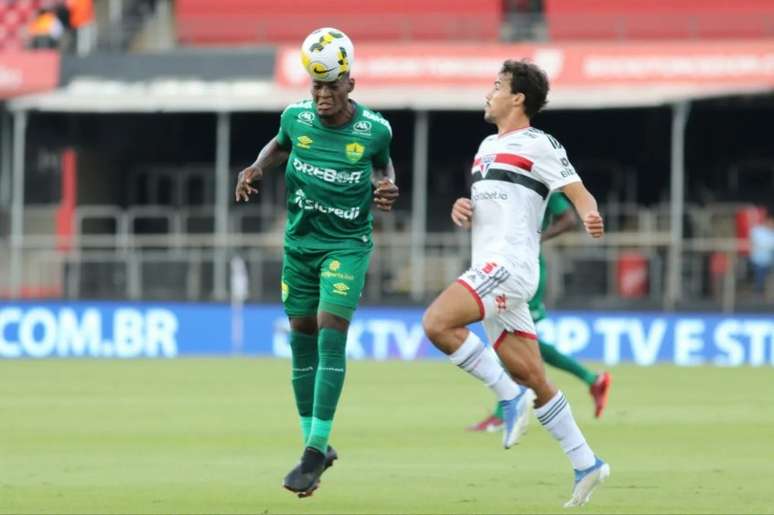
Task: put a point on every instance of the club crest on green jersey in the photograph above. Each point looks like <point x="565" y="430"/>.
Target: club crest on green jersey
<point x="285" y="291"/>
<point x="354" y="151"/>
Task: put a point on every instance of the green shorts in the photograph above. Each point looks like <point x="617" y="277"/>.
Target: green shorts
<point x="536" y="307"/>
<point x="323" y="280"/>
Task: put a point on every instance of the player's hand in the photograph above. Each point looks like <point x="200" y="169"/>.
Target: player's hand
<point x="594" y="224"/>
<point x="244" y="187"/>
<point x="462" y="212"/>
<point x="385" y="194"/>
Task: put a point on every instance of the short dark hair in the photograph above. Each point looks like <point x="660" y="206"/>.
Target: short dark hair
<point x="530" y="80"/>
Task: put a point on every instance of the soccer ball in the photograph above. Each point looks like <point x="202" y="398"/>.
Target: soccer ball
<point x="327" y="54"/>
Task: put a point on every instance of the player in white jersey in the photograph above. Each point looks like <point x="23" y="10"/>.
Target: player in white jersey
<point x="514" y="172"/>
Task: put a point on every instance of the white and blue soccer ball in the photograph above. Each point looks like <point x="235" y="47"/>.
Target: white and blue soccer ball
<point x="327" y="54"/>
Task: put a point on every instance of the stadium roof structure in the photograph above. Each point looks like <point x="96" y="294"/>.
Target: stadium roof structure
<point x="179" y="96"/>
<point x="414" y="77"/>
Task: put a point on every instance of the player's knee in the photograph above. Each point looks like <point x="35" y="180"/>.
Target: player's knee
<point x="433" y="325"/>
<point x="304" y="324"/>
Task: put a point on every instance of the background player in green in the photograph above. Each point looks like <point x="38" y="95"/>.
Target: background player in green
<point x="559" y="218"/>
<point x="338" y="162"/>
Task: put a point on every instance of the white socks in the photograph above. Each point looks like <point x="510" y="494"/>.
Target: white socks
<point x="481" y="362"/>
<point x="556" y="417"/>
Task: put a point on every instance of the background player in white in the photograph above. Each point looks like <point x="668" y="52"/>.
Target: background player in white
<point x="514" y="171"/>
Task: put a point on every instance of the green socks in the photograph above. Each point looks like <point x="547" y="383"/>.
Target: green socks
<point x="304" y="347"/>
<point x="332" y="346"/>
<point x="561" y="361"/>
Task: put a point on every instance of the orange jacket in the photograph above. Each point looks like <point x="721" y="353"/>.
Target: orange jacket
<point x="81" y="12"/>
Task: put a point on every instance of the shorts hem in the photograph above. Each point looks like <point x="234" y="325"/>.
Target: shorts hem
<point x="340" y="310"/>
<point x="298" y="314"/>
<point x="521" y="334"/>
<point x="475" y="296"/>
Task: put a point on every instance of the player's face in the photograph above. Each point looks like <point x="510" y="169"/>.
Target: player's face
<point x="332" y="98"/>
<point x="499" y="100"/>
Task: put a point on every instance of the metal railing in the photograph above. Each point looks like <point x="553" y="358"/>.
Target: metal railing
<point x="159" y="253"/>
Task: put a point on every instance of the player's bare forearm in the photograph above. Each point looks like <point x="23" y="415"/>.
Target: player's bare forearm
<point x="562" y="223"/>
<point x="381" y="173"/>
<point x="386" y="192"/>
<point x="586" y="206"/>
<point x="271" y="155"/>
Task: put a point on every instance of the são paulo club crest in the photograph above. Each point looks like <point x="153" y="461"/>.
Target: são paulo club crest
<point x="486" y="161"/>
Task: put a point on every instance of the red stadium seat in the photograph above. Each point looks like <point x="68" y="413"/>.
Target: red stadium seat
<point x="657" y="19"/>
<point x="232" y="22"/>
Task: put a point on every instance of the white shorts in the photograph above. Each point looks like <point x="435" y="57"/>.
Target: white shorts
<point x="502" y="292"/>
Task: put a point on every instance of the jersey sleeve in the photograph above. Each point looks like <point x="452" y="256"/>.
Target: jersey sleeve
<point x="382" y="155"/>
<point x="557" y="204"/>
<point x="283" y="135"/>
<point x="553" y="166"/>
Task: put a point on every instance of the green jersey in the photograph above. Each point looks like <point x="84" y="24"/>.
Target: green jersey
<point x="557" y="204"/>
<point x="328" y="176"/>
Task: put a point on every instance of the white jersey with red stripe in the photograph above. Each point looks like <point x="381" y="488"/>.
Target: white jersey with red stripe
<point x="513" y="175"/>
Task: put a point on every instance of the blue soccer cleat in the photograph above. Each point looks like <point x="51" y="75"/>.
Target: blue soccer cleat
<point x="516" y="417"/>
<point x="586" y="481"/>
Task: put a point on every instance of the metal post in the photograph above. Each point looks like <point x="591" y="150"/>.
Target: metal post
<point x="115" y="11"/>
<point x="17" y="201"/>
<point x="6" y="164"/>
<point x="222" y="147"/>
<point x="419" y="206"/>
<point x="729" y="283"/>
<point x="677" y="205"/>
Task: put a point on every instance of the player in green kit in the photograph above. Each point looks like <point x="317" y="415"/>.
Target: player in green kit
<point x="559" y="218"/>
<point x="338" y="163"/>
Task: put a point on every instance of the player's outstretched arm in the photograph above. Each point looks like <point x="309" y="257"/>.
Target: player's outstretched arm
<point x="271" y="155"/>
<point x="386" y="192"/>
<point x="586" y="205"/>
<point x="462" y="212"/>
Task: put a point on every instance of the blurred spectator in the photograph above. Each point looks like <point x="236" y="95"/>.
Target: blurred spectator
<point x="81" y="13"/>
<point x="63" y="13"/>
<point x="45" y="30"/>
<point x="762" y="250"/>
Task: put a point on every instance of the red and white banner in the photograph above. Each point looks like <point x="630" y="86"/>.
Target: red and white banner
<point x="727" y="63"/>
<point x="28" y="72"/>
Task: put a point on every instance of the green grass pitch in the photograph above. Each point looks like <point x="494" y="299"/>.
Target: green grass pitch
<point x="218" y="435"/>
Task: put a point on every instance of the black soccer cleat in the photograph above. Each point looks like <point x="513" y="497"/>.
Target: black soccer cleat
<point x="304" y="479"/>
<point x="330" y="456"/>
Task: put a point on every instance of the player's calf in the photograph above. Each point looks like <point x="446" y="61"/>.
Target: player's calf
<point x="526" y="367"/>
